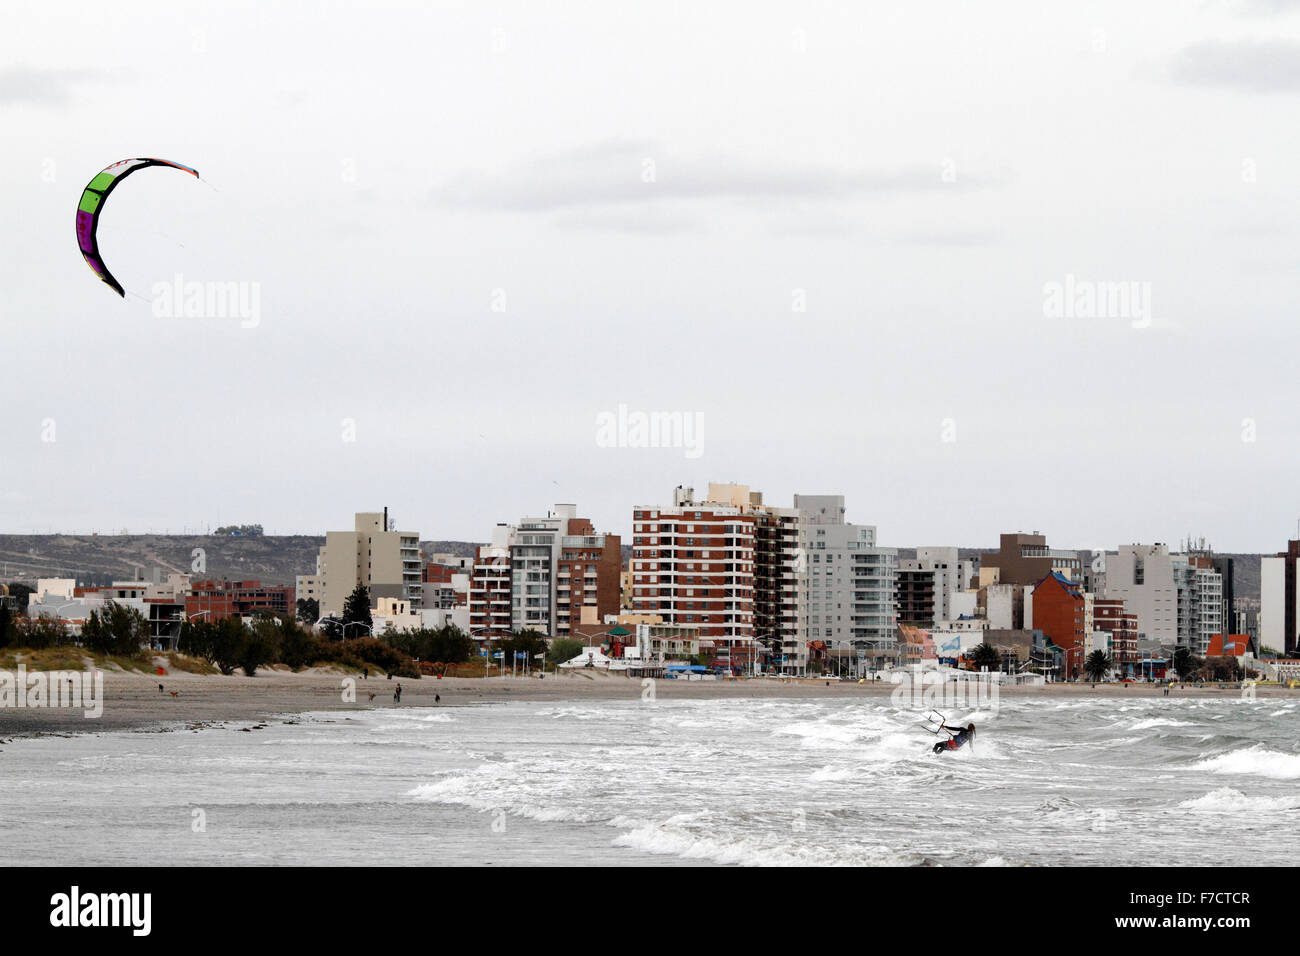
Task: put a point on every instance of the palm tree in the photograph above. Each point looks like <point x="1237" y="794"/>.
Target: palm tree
<point x="1097" y="664"/>
<point x="986" y="655"/>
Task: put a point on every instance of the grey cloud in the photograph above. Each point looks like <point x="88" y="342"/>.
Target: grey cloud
<point x="641" y="172"/>
<point x="953" y="238"/>
<point x="1260" y="66"/>
<point x="631" y="220"/>
<point x="25" y="85"/>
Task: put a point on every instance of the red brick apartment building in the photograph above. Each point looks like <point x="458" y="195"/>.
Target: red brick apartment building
<point x="214" y="600"/>
<point x="587" y="576"/>
<point x="489" y="592"/>
<point x="1058" y="613"/>
<point x="1110" y="615"/>
<point x="693" y="563"/>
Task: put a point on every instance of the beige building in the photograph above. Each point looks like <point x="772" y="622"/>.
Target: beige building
<point x="308" y="587"/>
<point x="386" y="561"/>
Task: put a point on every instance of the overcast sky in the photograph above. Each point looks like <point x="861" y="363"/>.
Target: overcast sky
<point x="824" y="231"/>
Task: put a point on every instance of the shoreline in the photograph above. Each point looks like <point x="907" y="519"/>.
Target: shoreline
<point x="133" y="702"/>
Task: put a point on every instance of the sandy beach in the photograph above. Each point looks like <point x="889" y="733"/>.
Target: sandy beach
<point x="133" y="701"/>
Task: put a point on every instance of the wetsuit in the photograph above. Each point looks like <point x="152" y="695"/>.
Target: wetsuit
<point x="963" y="735"/>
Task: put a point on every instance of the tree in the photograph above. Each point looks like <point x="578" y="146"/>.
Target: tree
<point x="228" y="638"/>
<point x="563" y="649"/>
<point x="308" y="610"/>
<point x="986" y="655"/>
<point x="117" y="629"/>
<point x="380" y="656"/>
<point x="1097" y="665"/>
<point x="356" y="609"/>
<point x="447" y="645"/>
<point x="40" y="632"/>
<point x="20" y="593"/>
<point x="198" y="639"/>
<point x="261" y="645"/>
<point x="1186" y="663"/>
<point x="1223" y="669"/>
<point x="529" y="644"/>
<point x="298" y="648"/>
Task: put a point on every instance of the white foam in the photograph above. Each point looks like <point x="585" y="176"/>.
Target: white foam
<point x="1152" y="722"/>
<point x="667" y="839"/>
<point x="1227" y="800"/>
<point x="1255" y="761"/>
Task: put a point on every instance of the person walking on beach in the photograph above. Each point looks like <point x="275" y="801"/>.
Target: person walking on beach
<point x="961" y="735"/>
<point x="397" y="694"/>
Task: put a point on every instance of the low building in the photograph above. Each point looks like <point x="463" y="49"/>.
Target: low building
<point x="214" y="600"/>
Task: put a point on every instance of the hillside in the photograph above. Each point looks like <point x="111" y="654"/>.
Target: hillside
<point x="99" y="559"/>
<point x="272" y="559"/>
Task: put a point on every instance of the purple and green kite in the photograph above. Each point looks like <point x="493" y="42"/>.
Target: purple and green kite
<point x="92" y="204"/>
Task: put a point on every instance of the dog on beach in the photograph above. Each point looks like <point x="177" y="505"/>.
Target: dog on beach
<point x="176" y="693"/>
<point x="372" y="696"/>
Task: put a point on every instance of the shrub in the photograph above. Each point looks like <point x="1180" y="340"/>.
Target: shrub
<point x="41" y="632"/>
<point x="563" y="649"/>
<point x="261" y="645"/>
<point x="228" y="640"/>
<point x="298" y="646"/>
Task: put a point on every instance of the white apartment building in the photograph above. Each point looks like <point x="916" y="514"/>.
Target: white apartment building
<point x="386" y="561"/>
<point x="1178" y="598"/>
<point x="1274" y="600"/>
<point x="847" y="597"/>
<point x="540" y="574"/>
<point x="934" y="586"/>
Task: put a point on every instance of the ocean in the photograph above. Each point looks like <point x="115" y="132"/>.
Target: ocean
<point x="1050" y="780"/>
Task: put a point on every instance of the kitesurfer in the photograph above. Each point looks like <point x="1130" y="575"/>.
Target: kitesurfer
<point x="959" y="736"/>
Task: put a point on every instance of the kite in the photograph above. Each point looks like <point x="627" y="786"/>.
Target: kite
<point x="92" y="204"/>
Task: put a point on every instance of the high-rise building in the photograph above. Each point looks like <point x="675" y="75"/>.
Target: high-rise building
<point x="588" y="577"/>
<point x="693" y="563"/>
<point x="373" y="554"/>
<point x="539" y="575"/>
<point x="1177" y="598"/>
<point x="1279" y="586"/>
<point x="1060" y="612"/>
<point x="847" y="597"/>
<point x="489" y="589"/>
<point x="1200" y="602"/>
<point x="1226" y="572"/>
<point x="1026" y="559"/>
<point x="929" y="584"/>
<point x="446" y="582"/>
<point x="778" y="564"/>
<point x="1110" y="615"/>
